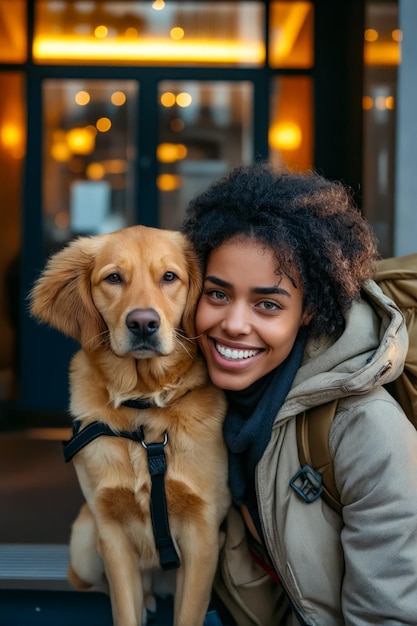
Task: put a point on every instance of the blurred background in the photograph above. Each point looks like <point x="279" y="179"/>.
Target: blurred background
<point x="114" y="113"/>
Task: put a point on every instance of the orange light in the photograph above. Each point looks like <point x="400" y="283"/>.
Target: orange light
<point x="177" y="33"/>
<point x="118" y="98"/>
<point x="168" y="99"/>
<point x="371" y="34"/>
<point x="82" y="98"/>
<point x="101" y="32"/>
<point x="168" y="182"/>
<point x="170" y="152"/>
<point x="103" y="124"/>
<point x="11" y="135"/>
<point x="285" y="136"/>
<point x="367" y="103"/>
<point x="95" y="171"/>
<point x="66" y="47"/>
<point x="382" y="53"/>
<point x="80" y="140"/>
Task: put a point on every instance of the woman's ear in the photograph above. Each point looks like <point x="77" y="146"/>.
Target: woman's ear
<point x="307" y="316"/>
<point x="61" y="297"/>
<point x="194" y="291"/>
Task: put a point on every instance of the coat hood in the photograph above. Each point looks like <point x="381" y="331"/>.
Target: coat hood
<point x="370" y="352"/>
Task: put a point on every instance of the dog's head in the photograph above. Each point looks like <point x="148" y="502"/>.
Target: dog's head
<point x="134" y="290"/>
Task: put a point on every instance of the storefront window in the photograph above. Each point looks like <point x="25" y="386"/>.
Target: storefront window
<point x="12" y="152"/>
<point x="89" y="157"/>
<point x="290" y="135"/>
<point x="163" y="33"/>
<point x="382" y="50"/>
<point x="291" y="35"/>
<point x="205" y="130"/>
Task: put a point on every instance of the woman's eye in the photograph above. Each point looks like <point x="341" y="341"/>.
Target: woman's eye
<point x="268" y="305"/>
<point x="169" y="277"/>
<point x="113" y="279"/>
<point x="216" y="295"/>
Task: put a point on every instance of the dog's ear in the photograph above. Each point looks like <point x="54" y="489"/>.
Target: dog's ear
<point x="194" y="290"/>
<point x="61" y="297"/>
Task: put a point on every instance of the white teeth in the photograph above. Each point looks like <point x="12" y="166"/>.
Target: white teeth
<point x="235" y="354"/>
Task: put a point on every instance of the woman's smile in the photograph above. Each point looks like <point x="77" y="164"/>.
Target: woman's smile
<point x="248" y="317"/>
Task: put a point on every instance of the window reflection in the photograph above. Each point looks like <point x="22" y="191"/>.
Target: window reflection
<point x="291" y="35"/>
<point x="205" y="130"/>
<point x="89" y="153"/>
<point x="13" y="31"/>
<point x="290" y="134"/>
<point x="185" y="33"/>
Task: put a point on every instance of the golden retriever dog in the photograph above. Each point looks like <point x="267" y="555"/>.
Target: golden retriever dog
<point x="129" y="299"/>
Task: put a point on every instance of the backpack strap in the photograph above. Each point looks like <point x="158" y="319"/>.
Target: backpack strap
<point x="313" y="426"/>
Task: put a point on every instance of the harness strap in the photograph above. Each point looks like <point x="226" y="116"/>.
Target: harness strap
<point x="168" y="557"/>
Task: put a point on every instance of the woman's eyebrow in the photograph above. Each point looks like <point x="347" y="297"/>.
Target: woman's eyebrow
<point x="218" y="281"/>
<point x="264" y="291"/>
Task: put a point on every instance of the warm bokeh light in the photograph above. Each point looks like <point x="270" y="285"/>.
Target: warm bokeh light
<point x="367" y="103"/>
<point x="183" y="99"/>
<point x="11" y="135"/>
<point x="177" y="33"/>
<point x="114" y="166"/>
<point x="390" y="103"/>
<point x="397" y="35"/>
<point x="168" y="182"/>
<point x="118" y="98"/>
<point x="380" y="103"/>
<point x="168" y="99"/>
<point x="171" y="152"/>
<point x="158" y="5"/>
<point x="80" y="140"/>
<point x="82" y="98"/>
<point x="131" y="33"/>
<point x="103" y="124"/>
<point x="60" y="152"/>
<point x="101" y="32"/>
<point x="285" y="136"/>
<point x="371" y="34"/>
<point x="95" y="171"/>
<point x="77" y="49"/>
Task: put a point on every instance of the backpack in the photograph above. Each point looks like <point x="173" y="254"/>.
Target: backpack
<point x="397" y="277"/>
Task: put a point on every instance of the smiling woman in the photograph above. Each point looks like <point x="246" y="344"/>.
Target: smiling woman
<point x="290" y="319"/>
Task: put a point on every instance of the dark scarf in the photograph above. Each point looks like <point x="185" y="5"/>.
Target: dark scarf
<point x="248" y="424"/>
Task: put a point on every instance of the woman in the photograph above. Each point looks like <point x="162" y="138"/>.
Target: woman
<point x="289" y="319"/>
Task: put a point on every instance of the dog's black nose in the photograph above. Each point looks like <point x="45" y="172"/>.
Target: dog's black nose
<point x="143" y="322"/>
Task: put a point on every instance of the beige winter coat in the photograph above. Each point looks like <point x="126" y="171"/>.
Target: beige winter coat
<point x="359" y="568"/>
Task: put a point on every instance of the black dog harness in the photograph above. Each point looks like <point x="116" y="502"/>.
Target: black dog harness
<point x="168" y="557"/>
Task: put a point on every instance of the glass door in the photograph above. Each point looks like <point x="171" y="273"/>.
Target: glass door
<point x="116" y="153"/>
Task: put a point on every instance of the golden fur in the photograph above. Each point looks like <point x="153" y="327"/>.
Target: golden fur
<point x="129" y="298"/>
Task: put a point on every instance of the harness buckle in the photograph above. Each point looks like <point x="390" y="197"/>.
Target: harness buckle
<point x="163" y="443"/>
<point x="307" y="483"/>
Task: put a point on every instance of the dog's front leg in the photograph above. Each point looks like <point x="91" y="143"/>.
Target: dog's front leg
<point x="124" y="578"/>
<point x="199" y="556"/>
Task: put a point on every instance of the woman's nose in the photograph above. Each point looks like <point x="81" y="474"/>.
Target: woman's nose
<point x="236" y="320"/>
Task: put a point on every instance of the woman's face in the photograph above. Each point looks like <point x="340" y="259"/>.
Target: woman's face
<point x="248" y="317"/>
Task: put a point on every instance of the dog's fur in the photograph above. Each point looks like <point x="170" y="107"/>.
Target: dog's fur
<point x="129" y="298"/>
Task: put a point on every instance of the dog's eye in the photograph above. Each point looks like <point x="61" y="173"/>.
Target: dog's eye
<point x="113" y="279"/>
<point x="169" y="277"/>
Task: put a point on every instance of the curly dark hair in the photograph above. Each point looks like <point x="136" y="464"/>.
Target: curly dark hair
<point x="318" y="235"/>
